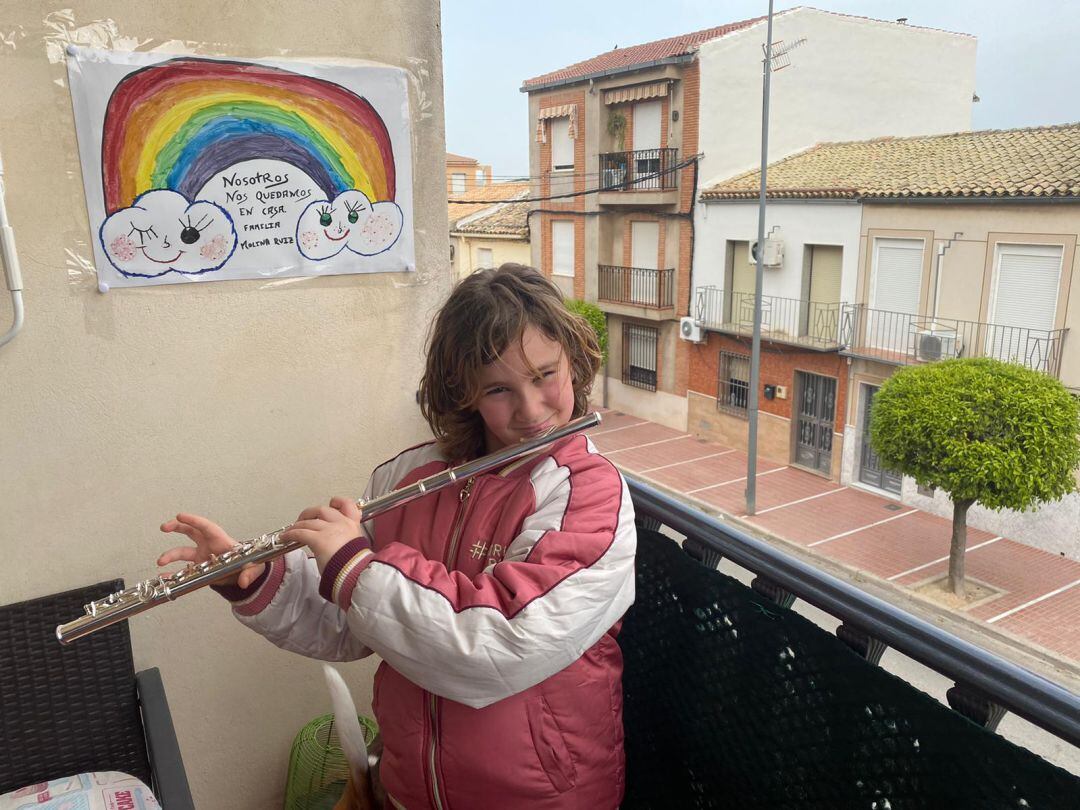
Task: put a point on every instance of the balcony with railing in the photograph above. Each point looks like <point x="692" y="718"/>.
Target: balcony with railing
<point x="718" y="675"/>
<point x="810" y="324"/>
<point x="636" y="286"/>
<point x="643" y="171"/>
<point x="904" y="339"/>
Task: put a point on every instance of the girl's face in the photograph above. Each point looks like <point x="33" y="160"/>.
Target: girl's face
<point x="517" y="403"/>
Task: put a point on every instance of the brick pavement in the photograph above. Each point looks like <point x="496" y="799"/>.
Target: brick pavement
<point x="1036" y="595"/>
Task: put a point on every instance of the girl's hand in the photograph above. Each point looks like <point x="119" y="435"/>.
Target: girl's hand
<point x="209" y="539"/>
<point x="325" y="529"/>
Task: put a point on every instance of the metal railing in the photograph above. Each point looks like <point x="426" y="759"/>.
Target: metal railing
<point x="636" y="285"/>
<point x="1007" y="685"/>
<point x="903" y="338"/>
<point x="789" y="320"/>
<point x="643" y="169"/>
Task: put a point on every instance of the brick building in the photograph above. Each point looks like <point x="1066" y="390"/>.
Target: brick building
<point x="621" y="143"/>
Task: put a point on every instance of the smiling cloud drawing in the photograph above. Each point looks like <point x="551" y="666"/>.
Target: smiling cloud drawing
<point x="162" y="232"/>
<point x="350" y="222"/>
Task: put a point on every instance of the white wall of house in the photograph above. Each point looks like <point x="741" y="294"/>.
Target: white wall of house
<point x="852" y="79"/>
<point x="801" y="224"/>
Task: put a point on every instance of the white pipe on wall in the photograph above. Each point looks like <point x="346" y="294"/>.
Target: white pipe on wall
<point x="11" y="265"/>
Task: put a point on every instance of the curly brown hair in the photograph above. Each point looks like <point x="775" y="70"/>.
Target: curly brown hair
<point x="486" y="312"/>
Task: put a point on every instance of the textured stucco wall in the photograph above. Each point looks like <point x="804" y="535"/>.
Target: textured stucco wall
<point x="243" y="400"/>
<point x="854" y="78"/>
<point x="800" y="224"/>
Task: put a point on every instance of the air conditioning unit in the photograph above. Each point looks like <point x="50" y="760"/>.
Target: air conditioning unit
<point x="773" y="255"/>
<point x="933" y="344"/>
<point x="691" y="330"/>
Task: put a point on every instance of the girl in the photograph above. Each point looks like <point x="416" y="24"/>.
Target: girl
<point x="494" y="604"/>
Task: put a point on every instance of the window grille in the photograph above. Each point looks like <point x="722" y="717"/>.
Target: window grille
<point x="639" y="356"/>
<point x="734" y="383"/>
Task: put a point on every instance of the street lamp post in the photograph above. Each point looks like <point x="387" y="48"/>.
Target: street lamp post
<point x="774" y="60"/>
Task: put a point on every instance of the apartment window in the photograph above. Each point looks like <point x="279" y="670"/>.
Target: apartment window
<point x="1023" y="302"/>
<point x="639" y="356"/>
<point x="895" y="282"/>
<point x="457" y="183"/>
<point x="562" y="248"/>
<point x="1026" y="281"/>
<point x="480" y="177"/>
<point x="562" y="145"/>
<point x="484" y="258"/>
<point x="647" y="117"/>
<point x="734" y="384"/>
<point x="897" y="272"/>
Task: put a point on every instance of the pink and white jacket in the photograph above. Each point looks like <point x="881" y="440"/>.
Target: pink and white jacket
<point x="494" y="605"/>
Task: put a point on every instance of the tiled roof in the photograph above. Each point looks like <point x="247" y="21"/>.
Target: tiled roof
<point x="484" y="197"/>
<point x="626" y="58"/>
<point x="509" y="219"/>
<point x="1035" y="162"/>
<point x="452" y="158"/>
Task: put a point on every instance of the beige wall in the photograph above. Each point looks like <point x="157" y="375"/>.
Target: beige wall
<point x="967" y="266"/>
<point x="243" y="400"/>
<point x="502" y="251"/>
<point x="470" y="170"/>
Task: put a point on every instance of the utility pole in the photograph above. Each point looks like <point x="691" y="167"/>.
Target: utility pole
<point x="774" y="60"/>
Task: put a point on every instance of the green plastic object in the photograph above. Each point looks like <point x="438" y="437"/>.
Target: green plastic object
<point x="317" y="767"/>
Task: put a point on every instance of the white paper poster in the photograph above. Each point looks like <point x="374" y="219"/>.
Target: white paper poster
<point x="202" y="169"/>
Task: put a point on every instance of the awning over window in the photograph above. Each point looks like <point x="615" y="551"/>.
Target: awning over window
<point x="559" y="111"/>
<point x="638" y="92"/>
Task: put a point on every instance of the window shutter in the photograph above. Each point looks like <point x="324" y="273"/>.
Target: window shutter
<point x="562" y="145"/>
<point x="897" y="275"/>
<point x="562" y="248"/>
<point x="1026" y="289"/>
<point x="646" y="133"/>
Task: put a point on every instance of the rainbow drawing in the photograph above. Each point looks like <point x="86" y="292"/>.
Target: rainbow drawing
<point x="176" y="124"/>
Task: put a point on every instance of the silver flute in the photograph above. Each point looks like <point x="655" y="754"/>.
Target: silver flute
<point x="165" y="588"/>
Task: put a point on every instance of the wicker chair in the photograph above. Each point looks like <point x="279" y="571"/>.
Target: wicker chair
<point x="69" y="710"/>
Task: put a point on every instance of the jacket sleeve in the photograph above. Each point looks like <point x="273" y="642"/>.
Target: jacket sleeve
<point x="567" y="578"/>
<point x="285" y="607"/>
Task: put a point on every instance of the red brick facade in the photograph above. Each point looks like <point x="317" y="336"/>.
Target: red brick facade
<point x="779" y="363"/>
<point x="691" y="98"/>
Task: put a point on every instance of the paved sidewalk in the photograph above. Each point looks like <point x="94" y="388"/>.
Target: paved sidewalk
<point x="1035" y="595"/>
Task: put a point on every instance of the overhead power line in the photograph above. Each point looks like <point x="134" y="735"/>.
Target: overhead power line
<point x="677" y="167"/>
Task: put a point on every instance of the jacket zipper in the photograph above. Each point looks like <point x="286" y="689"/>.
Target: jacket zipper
<point x="459" y="523"/>
<point x="433" y="702"/>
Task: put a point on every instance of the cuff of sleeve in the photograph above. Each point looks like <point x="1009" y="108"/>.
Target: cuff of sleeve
<point x="340" y="575"/>
<point x="234" y="593"/>
<point x="253" y="599"/>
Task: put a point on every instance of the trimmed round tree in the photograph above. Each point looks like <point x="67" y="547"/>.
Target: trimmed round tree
<point x="981" y="430"/>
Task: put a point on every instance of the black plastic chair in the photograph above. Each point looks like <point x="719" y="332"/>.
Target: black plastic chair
<point x="68" y="710"/>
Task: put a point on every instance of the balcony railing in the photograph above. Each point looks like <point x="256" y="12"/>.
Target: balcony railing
<point x="902" y="338"/>
<point x="788" y="320"/>
<point x="641" y="170"/>
<point x="638" y="286"/>
<point x="869" y="624"/>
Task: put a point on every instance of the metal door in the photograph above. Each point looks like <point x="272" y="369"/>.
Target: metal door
<point x="870" y="470"/>
<point x="816" y="418"/>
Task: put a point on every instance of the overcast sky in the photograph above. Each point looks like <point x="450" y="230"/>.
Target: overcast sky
<point x="1027" y="69"/>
